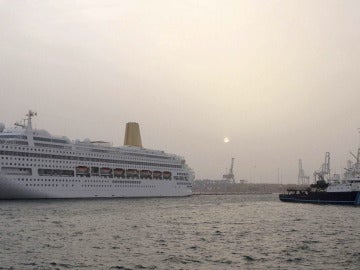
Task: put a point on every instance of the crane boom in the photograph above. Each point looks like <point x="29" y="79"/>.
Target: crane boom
<point x="230" y="175"/>
<point x="232" y="166"/>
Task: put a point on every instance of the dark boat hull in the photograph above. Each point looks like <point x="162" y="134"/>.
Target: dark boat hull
<point x="345" y="198"/>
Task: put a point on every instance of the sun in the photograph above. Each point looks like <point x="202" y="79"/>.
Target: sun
<point x="226" y="140"/>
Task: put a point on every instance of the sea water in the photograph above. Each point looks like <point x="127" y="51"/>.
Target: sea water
<point x="198" y="232"/>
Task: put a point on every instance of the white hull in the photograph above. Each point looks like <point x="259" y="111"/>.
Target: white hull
<point x="17" y="189"/>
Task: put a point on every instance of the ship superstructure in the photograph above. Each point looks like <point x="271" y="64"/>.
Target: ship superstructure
<point x="36" y="164"/>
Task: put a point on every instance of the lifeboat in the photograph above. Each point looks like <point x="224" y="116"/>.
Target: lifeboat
<point x="157" y="175"/>
<point x="119" y="172"/>
<point x="167" y="175"/>
<point x="145" y="174"/>
<point x="132" y="173"/>
<point x="82" y="170"/>
<point x="105" y="171"/>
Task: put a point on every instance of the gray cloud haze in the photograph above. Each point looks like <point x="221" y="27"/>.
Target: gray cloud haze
<point x="279" y="78"/>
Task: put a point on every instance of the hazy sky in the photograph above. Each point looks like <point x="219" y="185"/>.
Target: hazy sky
<point x="279" y="78"/>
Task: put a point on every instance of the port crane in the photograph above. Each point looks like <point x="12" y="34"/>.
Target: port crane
<point x="324" y="170"/>
<point x="230" y="175"/>
<point x="353" y="169"/>
<point x="302" y="178"/>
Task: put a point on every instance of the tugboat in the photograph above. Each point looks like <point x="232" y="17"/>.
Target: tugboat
<point x="331" y="191"/>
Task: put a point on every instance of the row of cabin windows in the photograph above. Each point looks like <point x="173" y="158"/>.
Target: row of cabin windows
<point x="126" y="182"/>
<point x="52" y="146"/>
<point x="13" y="142"/>
<point x="182" y="183"/>
<point x="38" y="160"/>
<point x="42" y="164"/>
<point x="75" y="153"/>
<point x="55" y="170"/>
<point x="49" y="140"/>
<point x="47" y="180"/>
<point x="76" y="158"/>
<point x="180" y="178"/>
<point x="124" y="185"/>
<point x="78" y="181"/>
<point x="47" y="185"/>
<point x="22" y="164"/>
<point x="97" y="186"/>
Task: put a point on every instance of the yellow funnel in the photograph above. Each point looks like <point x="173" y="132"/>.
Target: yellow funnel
<point x="132" y="135"/>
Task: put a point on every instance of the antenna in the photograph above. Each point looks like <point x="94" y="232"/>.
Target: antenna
<point x="19" y="124"/>
<point x="29" y="115"/>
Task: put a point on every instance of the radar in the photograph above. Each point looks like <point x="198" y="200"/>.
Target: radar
<point x="2" y="127"/>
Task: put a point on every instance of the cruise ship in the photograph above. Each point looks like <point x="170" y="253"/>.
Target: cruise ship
<point x="35" y="164"/>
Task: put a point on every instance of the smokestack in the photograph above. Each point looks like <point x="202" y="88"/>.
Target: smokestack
<point x="132" y="135"/>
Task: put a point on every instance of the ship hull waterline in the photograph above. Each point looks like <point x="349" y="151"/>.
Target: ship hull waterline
<point x="10" y="190"/>
<point x="341" y="198"/>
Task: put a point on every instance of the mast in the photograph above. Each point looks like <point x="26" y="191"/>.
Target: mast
<point x="29" y="115"/>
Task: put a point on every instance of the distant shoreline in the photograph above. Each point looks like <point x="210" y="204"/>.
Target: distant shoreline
<point x="210" y="187"/>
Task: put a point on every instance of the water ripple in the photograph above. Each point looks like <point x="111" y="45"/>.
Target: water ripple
<point x="200" y="232"/>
